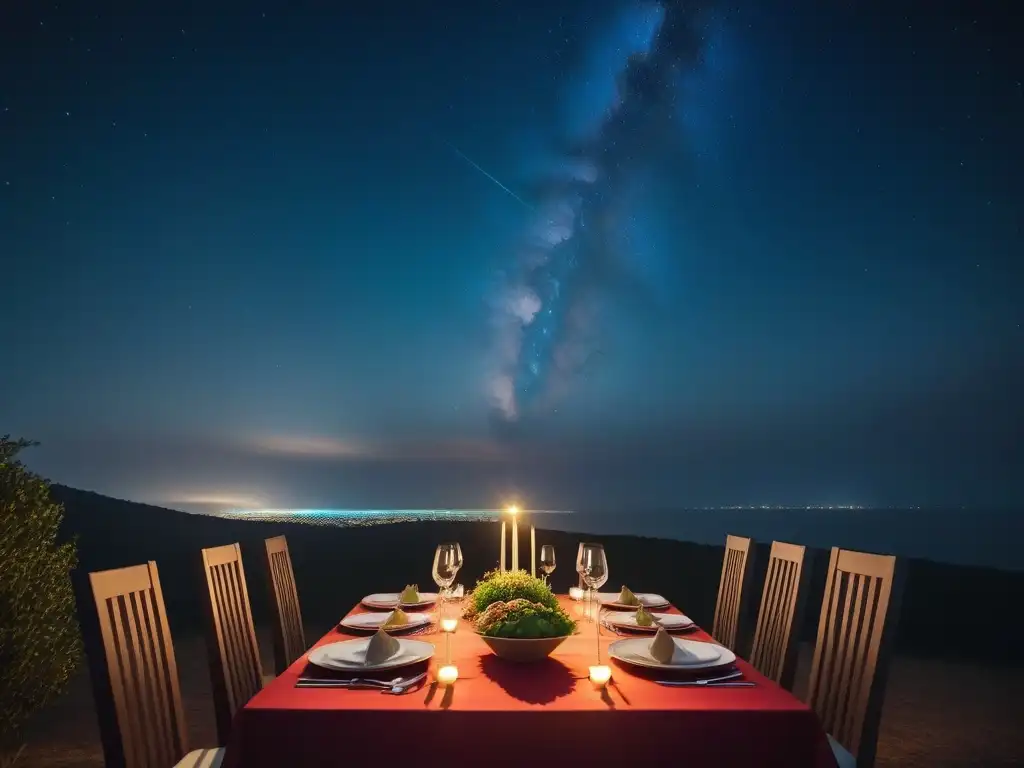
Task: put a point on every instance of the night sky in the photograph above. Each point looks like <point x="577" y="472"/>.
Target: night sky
<point x="591" y="253"/>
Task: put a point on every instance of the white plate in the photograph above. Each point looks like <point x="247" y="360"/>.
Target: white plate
<point x="372" y="621"/>
<point x="689" y="654"/>
<point x="649" y="600"/>
<point x="669" y="621"/>
<point x="348" y="655"/>
<point x="388" y="601"/>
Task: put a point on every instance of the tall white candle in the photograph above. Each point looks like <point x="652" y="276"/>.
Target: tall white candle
<point x="503" y="545"/>
<point x="515" y="543"/>
<point x="533" y="551"/>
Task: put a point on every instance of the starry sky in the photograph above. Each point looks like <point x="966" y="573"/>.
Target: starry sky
<point x="590" y="253"/>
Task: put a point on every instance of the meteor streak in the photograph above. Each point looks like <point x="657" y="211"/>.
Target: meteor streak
<point x="461" y="154"/>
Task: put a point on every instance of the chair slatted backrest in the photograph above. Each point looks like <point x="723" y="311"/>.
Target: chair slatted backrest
<point x="782" y="609"/>
<point x="854" y="647"/>
<point x="134" y="672"/>
<point x="736" y="572"/>
<point x="235" y="669"/>
<point x="289" y="637"/>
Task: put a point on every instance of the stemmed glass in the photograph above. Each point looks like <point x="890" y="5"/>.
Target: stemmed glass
<point x="593" y="568"/>
<point x="579" y="570"/>
<point x="547" y="560"/>
<point x="447" y="562"/>
<point x="579" y="564"/>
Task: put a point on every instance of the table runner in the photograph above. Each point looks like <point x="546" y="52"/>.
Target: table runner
<point x="500" y="713"/>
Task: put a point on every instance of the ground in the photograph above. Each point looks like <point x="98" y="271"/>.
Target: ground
<point x="937" y="714"/>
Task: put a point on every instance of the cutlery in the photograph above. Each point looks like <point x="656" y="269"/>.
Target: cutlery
<point x="397" y="690"/>
<point x="722" y="680"/>
<point x="396" y="686"/>
<point x="350" y="683"/>
<point x="701" y="684"/>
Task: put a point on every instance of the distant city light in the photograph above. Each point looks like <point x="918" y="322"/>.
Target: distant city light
<point x="360" y="517"/>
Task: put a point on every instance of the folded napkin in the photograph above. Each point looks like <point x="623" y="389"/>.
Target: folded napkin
<point x="397" y="618"/>
<point x="411" y="594"/>
<point x="628" y="598"/>
<point x="644" y="618"/>
<point x="663" y="647"/>
<point x="382" y="647"/>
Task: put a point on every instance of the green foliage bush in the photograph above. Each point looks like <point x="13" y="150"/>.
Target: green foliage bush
<point x="522" y="619"/>
<point x="40" y="643"/>
<point x="503" y="586"/>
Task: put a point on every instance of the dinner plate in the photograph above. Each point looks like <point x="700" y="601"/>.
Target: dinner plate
<point x="370" y="622"/>
<point x="649" y="600"/>
<point x="388" y="601"/>
<point x="670" y="621"/>
<point x="350" y="655"/>
<point x="689" y="655"/>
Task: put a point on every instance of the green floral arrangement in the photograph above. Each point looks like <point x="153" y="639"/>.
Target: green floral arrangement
<point x="516" y="604"/>
<point x="524" y="620"/>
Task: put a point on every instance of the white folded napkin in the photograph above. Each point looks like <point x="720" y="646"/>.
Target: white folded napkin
<point x="663" y="647"/>
<point x="397" y="618"/>
<point x="381" y="647"/>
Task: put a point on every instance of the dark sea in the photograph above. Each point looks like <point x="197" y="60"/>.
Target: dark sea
<point x="979" y="537"/>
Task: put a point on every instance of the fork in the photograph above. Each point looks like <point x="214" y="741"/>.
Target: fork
<point x="712" y="681"/>
<point x="355" y="682"/>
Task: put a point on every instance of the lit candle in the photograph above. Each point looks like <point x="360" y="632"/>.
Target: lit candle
<point x="449" y="625"/>
<point x="533" y="551"/>
<point x="600" y="676"/>
<point x="449" y="674"/>
<point x="503" y="545"/>
<point x="576" y="593"/>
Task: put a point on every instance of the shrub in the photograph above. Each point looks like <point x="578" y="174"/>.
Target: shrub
<point x="40" y="644"/>
<point x="522" y="619"/>
<point x="504" y="586"/>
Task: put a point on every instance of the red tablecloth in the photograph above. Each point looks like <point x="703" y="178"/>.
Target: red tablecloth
<point x="499" y="713"/>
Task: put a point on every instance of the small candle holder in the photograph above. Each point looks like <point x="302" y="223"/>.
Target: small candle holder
<point x="447" y="675"/>
<point x="576" y="593"/>
<point x="600" y="675"/>
<point x="448" y="627"/>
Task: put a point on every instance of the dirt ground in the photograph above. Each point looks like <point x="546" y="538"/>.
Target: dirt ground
<point x="937" y="714"/>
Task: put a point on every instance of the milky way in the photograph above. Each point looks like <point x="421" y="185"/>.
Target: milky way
<point x="547" y="317"/>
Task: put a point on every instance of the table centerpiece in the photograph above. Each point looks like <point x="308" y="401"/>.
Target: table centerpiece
<point x="517" y="616"/>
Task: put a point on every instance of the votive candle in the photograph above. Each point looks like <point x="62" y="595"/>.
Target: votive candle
<point x="447" y="675"/>
<point x="600" y="675"/>
<point x="449" y="625"/>
<point x="576" y="593"/>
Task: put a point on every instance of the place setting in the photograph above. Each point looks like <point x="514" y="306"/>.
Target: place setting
<point x="682" y="662"/>
<point x="409" y="599"/>
<point x="625" y="600"/>
<point x="396" y="621"/>
<point x="367" y="662"/>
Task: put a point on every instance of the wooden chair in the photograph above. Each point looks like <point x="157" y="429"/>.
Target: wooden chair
<point x="235" y="669"/>
<point x="854" y="647"/>
<point x="732" y="589"/>
<point x="289" y="638"/>
<point x="782" y="609"/>
<point x="134" y="671"/>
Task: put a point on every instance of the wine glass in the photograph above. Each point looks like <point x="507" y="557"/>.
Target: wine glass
<point x="547" y="560"/>
<point x="579" y="570"/>
<point x="579" y="563"/>
<point x="594" y="567"/>
<point x="447" y="562"/>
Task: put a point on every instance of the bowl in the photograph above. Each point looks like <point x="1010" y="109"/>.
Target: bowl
<point x="522" y="650"/>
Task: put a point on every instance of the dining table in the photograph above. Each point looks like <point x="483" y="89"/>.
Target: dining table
<point x="543" y="713"/>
